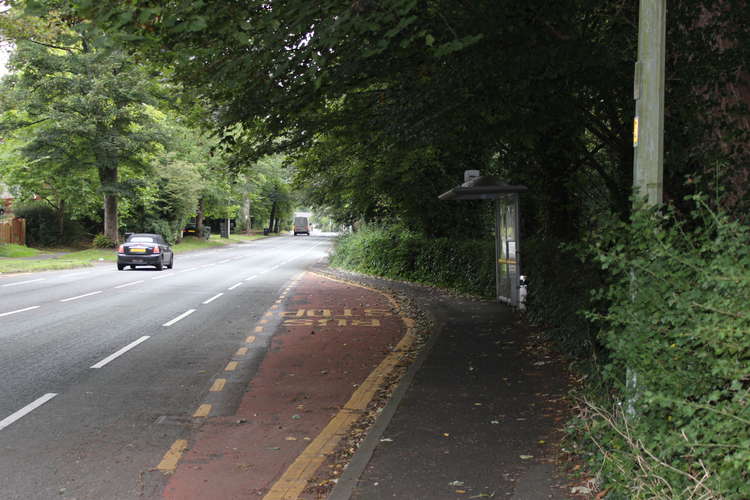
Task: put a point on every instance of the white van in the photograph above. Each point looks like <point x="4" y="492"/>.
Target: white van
<point x="301" y="226"/>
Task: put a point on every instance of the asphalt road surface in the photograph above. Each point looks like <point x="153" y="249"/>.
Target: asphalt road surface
<point x="101" y="370"/>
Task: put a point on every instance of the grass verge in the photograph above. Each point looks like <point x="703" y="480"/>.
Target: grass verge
<point x="192" y="243"/>
<point x="20" y="259"/>
<point x="13" y="251"/>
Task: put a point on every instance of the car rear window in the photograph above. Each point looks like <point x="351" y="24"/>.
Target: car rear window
<point x="141" y="239"/>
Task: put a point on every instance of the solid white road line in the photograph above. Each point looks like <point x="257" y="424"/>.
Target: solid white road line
<point x="213" y="298"/>
<point x="188" y="270"/>
<point x="120" y="352"/>
<point x="129" y="284"/>
<point x="251" y="277"/>
<point x="19" y="311"/>
<point x="224" y="261"/>
<point x="81" y="296"/>
<point x="26" y="410"/>
<point x="178" y="318"/>
<point x="24" y="282"/>
<point x="234" y="286"/>
<point x="163" y="276"/>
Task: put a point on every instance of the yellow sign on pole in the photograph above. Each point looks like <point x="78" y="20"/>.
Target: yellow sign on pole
<point x="635" y="131"/>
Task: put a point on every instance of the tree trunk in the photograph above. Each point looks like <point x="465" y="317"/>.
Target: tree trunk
<point x="61" y="218"/>
<point x="199" y="217"/>
<point x="272" y="218"/>
<point x="248" y="219"/>
<point x="111" y="229"/>
<point x="108" y="178"/>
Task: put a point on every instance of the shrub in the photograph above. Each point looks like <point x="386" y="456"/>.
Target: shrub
<point x="395" y="252"/>
<point x="43" y="228"/>
<point x="103" y="241"/>
<point x="678" y="321"/>
<point x="161" y="226"/>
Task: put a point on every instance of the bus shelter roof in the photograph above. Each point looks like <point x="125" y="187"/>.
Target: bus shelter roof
<point x="485" y="187"/>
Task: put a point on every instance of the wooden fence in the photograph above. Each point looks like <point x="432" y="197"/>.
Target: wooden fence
<point x="13" y="231"/>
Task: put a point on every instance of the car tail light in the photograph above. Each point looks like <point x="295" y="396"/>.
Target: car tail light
<point x="121" y="249"/>
<point x="156" y="249"/>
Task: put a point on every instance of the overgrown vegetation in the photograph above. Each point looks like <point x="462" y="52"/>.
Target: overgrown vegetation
<point x="677" y="321"/>
<point x="396" y="252"/>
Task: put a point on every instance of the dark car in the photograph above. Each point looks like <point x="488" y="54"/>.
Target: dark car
<point x="190" y="229"/>
<point x="143" y="249"/>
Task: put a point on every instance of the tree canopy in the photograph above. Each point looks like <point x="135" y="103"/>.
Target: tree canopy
<point x="400" y="96"/>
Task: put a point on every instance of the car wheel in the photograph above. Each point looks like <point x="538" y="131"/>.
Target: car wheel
<point x="160" y="266"/>
<point x="120" y="267"/>
<point x="171" y="263"/>
<point x="132" y="266"/>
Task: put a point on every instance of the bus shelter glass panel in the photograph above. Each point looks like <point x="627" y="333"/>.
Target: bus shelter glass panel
<point x="507" y="245"/>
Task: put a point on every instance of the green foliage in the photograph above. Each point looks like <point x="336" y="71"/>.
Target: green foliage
<point x="82" y="113"/>
<point x="103" y="241"/>
<point x="383" y="105"/>
<point x="43" y="225"/>
<point x="161" y="226"/>
<point x="678" y="320"/>
<point x="395" y="252"/>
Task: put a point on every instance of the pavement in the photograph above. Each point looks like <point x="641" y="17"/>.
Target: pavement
<point x="477" y="415"/>
<point x="371" y="389"/>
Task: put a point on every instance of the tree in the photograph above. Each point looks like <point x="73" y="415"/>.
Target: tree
<point x="536" y="91"/>
<point x="83" y="109"/>
<point x="47" y="180"/>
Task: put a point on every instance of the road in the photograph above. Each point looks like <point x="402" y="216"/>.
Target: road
<point x="101" y="371"/>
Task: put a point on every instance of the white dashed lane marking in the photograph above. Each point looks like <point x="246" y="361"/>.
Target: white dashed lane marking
<point x="19" y="311"/>
<point x="119" y="353"/>
<point x="213" y="298"/>
<point x="23" y="282"/>
<point x="129" y="284"/>
<point x="178" y="318"/>
<point x="81" y="296"/>
<point x="26" y="410"/>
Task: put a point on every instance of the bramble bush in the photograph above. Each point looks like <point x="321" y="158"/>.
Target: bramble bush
<point x="395" y="252"/>
<point x="678" y="319"/>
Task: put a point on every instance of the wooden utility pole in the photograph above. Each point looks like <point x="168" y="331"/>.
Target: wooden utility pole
<point x="648" y="129"/>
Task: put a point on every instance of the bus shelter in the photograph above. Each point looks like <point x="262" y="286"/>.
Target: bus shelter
<point x="507" y="228"/>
